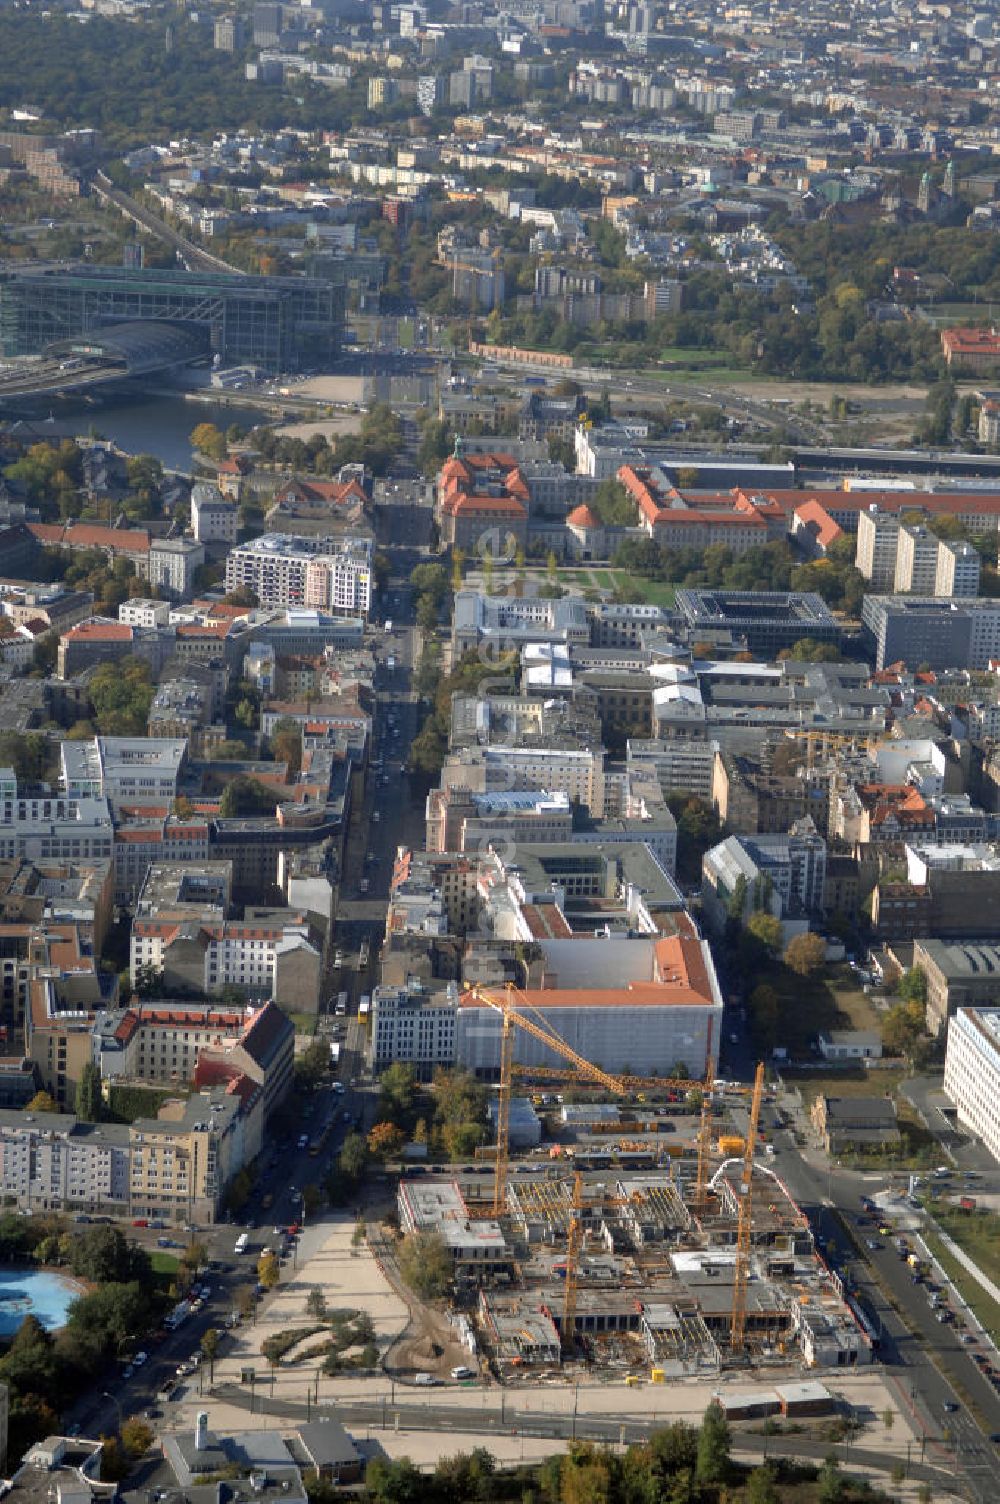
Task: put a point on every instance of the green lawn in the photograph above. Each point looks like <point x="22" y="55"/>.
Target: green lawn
<point x="970" y="1289"/>
<point x="654" y="592"/>
<point x="164" y="1264"/>
<point x="603" y="578"/>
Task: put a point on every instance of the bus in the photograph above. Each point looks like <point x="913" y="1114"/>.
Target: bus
<point x="242" y="1243"/>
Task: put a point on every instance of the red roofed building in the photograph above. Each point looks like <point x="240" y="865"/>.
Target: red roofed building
<point x="674" y="1015"/>
<point x="483" y="503"/>
<point x="971" y="349"/>
<point x="675" y="521"/>
<point x="814" y="529"/>
<point x="97" y="640"/>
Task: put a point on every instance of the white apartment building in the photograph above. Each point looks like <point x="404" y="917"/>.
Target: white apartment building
<point x="172" y="563"/>
<point x="213" y="518"/>
<point x="958" y="569"/>
<point x="52" y="825"/>
<point x="144" y="613"/>
<point x="48" y="1161"/>
<point x="878" y="545"/>
<point x="916" y="561"/>
<point x="126" y="770"/>
<point x="577" y="772"/>
<point x="972" y="1072"/>
<point x="327" y="574"/>
<point x="411" y="1024"/>
<point x="680" y="765"/>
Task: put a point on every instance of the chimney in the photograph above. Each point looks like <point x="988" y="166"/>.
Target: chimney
<point x="201" y="1431"/>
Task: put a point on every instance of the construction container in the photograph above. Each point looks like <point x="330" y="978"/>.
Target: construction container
<point x="730" y="1144"/>
<point x="657" y="1376"/>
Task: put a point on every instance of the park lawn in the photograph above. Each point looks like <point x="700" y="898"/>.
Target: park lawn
<point x="654" y="592"/>
<point x="978" y="1233"/>
<point x="164" y="1264"/>
<point x="604" y="578"/>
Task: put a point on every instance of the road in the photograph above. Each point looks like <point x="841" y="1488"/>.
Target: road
<point x="391" y="1412"/>
<point x="933" y="1368"/>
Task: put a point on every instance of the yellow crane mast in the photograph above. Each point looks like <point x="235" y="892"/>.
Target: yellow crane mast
<point x="741" y="1271"/>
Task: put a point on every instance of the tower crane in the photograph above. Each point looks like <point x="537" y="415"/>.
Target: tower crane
<point x="741" y="1271"/>
<point x="518" y="1012"/>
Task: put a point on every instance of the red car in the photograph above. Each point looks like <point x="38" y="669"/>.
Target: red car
<point x="140" y="1221"/>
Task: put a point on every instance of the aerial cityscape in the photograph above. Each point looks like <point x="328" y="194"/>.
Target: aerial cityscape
<point x="499" y="752"/>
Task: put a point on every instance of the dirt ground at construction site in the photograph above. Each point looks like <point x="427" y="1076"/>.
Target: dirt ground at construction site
<point x="409" y="1333"/>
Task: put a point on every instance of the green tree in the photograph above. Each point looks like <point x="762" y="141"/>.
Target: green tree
<point x="121" y="694"/>
<point x="764" y="1010"/>
<point x="830" y="1483"/>
<point x="316" y="1303"/>
<point x="767" y="929"/>
<point x="762" y="1485"/>
<point x="913" y="985"/>
<point x="426" y="1265"/>
<point x="713" y="1461"/>
<point x="245" y="796"/>
<point x="89" y="1101"/>
<point x="210" y="1350"/>
<point x="136" y="1436"/>
<point x="42" y="1101"/>
<point x="353" y="1157"/>
<point x="312" y="1065"/>
<point x="805" y="954"/>
<point x="398" y="1094"/>
<point x="286" y="745"/>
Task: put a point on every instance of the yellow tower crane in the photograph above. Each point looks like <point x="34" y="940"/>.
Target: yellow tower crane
<point x="514" y="1008"/>
<point x="741" y="1271"/>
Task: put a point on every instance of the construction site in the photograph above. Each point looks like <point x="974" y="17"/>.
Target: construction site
<point x="645" y="1241"/>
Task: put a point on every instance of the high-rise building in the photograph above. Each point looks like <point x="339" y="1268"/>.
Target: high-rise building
<point x="229" y="34"/>
<point x="266" y="24"/>
<point x="331" y="574"/>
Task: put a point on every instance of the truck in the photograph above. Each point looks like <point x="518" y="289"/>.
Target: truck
<point x="388" y="627"/>
<point x="390" y="664"/>
<point x="341" y="1007"/>
<point x="364" y="1005"/>
<point x="334" y="1052"/>
<point x="242" y="1243"/>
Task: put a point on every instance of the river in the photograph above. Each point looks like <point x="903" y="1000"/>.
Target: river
<point x="143" y="425"/>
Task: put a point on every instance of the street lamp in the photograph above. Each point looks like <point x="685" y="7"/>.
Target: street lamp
<point x="117" y="1404"/>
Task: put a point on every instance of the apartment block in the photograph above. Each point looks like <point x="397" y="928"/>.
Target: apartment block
<point x="325" y="574"/>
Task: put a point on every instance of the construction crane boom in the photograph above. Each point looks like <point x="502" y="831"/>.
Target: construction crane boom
<point x="741" y="1270"/>
<point x="567" y="1333"/>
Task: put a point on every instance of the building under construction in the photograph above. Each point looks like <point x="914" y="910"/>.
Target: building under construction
<point x="676" y="1255"/>
<point x="655" y="1277"/>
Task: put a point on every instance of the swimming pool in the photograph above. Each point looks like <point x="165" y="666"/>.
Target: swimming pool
<point x="34" y="1292"/>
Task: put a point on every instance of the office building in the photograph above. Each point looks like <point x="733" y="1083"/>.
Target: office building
<point x="940" y="633"/>
<point x="125" y="770"/>
<point x="766" y="621"/>
<point x="972" y="1072"/>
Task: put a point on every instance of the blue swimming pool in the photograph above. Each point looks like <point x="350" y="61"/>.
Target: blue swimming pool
<point x="34" y="1292"/>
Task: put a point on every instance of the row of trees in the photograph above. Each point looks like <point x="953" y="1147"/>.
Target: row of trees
<point x="680" y="1464"/>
